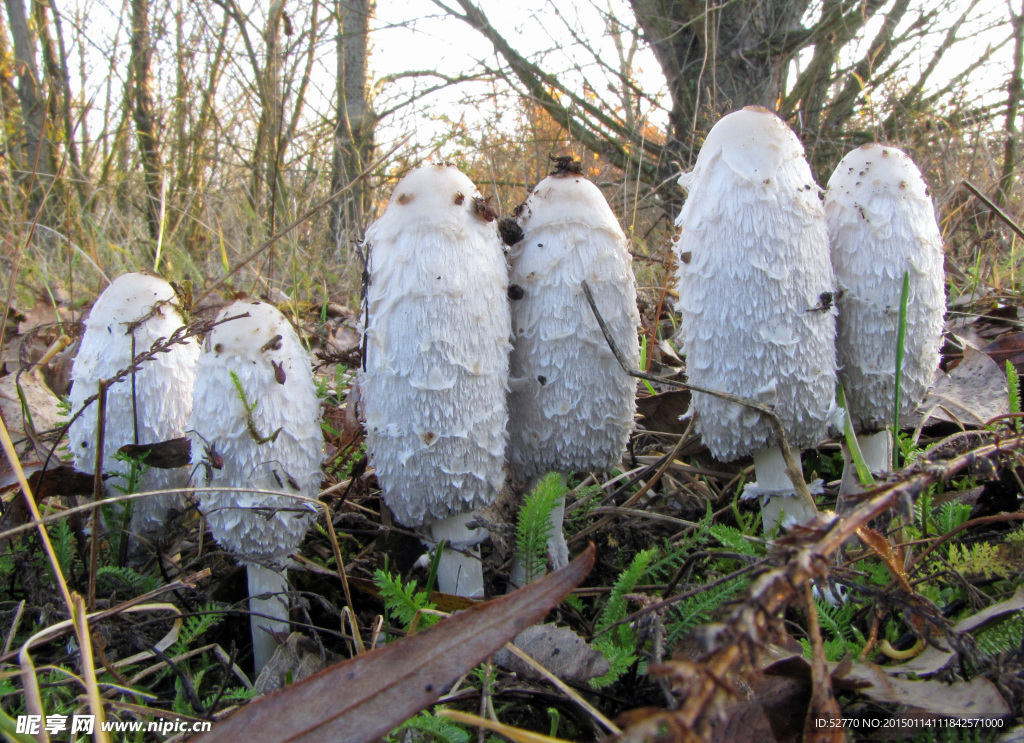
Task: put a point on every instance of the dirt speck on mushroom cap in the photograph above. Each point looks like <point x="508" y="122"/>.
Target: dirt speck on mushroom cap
<point x="571" y="405"/>
<point x="437" y="343"/>
<point x="163" y="387"/>
<point x="290" y="462"/>
<point x="755" y="230"/>
<point x="881" y="224"/>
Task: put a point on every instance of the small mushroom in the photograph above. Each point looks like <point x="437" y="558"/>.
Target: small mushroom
<point x="571" y="404"/>
<point x="149" y="406"/>
<point x="436" y="364"/>
<point x="882" y="225"/>
<point x="753" y="321"/>
<point x="267" y="435"/>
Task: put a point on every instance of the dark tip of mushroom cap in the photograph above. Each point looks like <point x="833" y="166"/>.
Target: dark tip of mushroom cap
<point x="566" y="165"/>
<point x="510" y="231"/>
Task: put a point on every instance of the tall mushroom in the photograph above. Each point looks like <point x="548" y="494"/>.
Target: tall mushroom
<point x="882" y="225"/>
<point x="570" y="403"/>
<point x="435" y="370"/>
<point x="755" y="295"/>
<point x="150" y="405"/>
<point x="256" y="426"/>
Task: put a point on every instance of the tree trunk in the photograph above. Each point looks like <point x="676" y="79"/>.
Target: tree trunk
<point x="719" y="55"/>
<point x="141" y="93"/>
<point x="353" y="133"/>
<point x="35" y="165"/>
<point x="266" y="156"/>
<point x="1013" y="91"/>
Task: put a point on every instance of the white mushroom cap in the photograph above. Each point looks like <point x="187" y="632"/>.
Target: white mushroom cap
<point x="754" y="270"/>
<point x="163" y="387"/>
<point x="571" y="405"/>
<point x="881" y="225"/>
<point x="437" y="342"/>
<point x="277" y="377"/>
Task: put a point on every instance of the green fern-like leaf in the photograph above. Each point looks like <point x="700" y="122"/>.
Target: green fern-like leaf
<point x="619" y="645"/>
<point x="619" y="658"/>
<point x="615" y="609"/>
<point x="63" y="545"/>
<point x="1013" y="386"/>
<point x="700" y="608"/>
<point x="238" y="694"/>
<point x="951" y="515"/>
<point x="195" y="626"/>
<point x="835" y="648"/>
<point x="733" y="539"/>
<point x="403" y="601"/>
<point x="980" y="559"/>
<point x="836" y="620"/>
<point x="1003" y="637"/>
<point x="534" y="528"/>
<point x="116" y="578"/>
<point x="435" y="729"/>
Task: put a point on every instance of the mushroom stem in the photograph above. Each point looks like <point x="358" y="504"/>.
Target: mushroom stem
<point x="876" y="449"/>
<point x="558" y="549"/>
<point x="264" y="580"/>
<point x="459" y="572"/>
<point x="774" y="488"/>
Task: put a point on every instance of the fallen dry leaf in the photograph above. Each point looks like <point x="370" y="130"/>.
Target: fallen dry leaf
<point x="363" y="698"/>
<point x="934" y="659"/>
<point x="558" y="649"/>
<point x="972" y="394"/>
<point x="42" y="404"/>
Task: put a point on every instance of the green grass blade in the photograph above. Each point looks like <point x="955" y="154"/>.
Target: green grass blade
<point x="863" y="473"/>
<point x="900" y="338"/>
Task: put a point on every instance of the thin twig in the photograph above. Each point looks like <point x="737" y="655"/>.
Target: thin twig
<point x="97" y="492"/>
<point x="994" y="209"/>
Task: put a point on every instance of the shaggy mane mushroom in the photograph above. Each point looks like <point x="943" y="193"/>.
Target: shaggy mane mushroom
<point x="256" y="414"/>
<point x="882" y="225"/>
<point x="151" y="405"/>
<point x="571" y="404"/>
<point x="755" y="288"/>
<point x="436" y="363"/>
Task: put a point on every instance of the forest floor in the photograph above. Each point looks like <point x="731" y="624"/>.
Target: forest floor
<point x="904" y="620"/>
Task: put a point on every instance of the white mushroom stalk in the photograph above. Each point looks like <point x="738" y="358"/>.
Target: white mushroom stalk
<point x="571" y="404"/>
<point x="256" y="414"/>
<point x="436" y="363"/>
<point x="755" y="296"/>
<point x="882" y="225"/>
<point x="151" y="405"/>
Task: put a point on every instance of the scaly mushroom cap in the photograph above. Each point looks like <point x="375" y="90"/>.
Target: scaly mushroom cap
<point x="272" y="368"/>
<point x="881" y="224"/>
<point x="144" y="307"/>
<point x="571" y="405"/>
<point x="755" y="286"/>
<point x="437" y="342"/>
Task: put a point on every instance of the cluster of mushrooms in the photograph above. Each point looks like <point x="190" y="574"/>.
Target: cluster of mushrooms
<point x="779" y="295"/>
<point x="483" y="359"/>
<point x="247" y="401"/>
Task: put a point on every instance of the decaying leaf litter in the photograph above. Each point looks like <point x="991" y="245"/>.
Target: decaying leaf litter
<point x="718" y="630"/>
